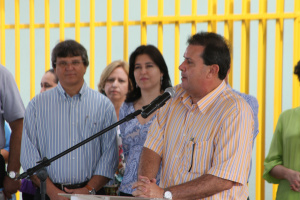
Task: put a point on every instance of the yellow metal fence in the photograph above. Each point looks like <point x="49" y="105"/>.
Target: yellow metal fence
<point x="211" y="18"/>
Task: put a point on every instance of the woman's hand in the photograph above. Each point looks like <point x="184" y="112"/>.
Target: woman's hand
<point x="294" y="178"/>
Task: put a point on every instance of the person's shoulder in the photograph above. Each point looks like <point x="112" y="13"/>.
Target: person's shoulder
<point x="248" y="97"/>
<point x="290" y="112"/>
<point x="93" y="93"/>
<point x="97" y="97"/>
<point x="5" y="74"/>
<point x="43" y="97"/>
<point x="233" y="98"/>
<point x="3" y="70"/>
<point x="289" y="116"/>
<point x="126" y="106"/>
<point x="251" y="100"/>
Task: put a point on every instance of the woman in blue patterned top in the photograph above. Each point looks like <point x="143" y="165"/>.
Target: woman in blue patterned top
<point x="149" y="75"/>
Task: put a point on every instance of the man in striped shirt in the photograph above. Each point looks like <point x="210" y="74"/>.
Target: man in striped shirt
<point x="60" y="118"/>
<point x="203" y="135"/>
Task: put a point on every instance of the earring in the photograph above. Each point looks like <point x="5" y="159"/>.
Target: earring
<point x="161" y="79"/>
<point x="137" y="86"/>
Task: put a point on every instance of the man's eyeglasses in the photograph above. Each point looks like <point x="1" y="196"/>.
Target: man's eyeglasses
<point x="74" y="63"/>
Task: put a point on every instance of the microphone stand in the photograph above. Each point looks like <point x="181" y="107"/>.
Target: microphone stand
<point x="42" y="164"/>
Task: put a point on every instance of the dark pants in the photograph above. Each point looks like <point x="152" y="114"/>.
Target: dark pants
<point x="37" y="195"/>
<point x="26" y="196"/>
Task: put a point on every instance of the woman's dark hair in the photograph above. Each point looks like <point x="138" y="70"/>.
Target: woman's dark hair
<point x="216" y="50"/>
<point x="157" y="58"/>
<point x="69" y="48"/>
<point x="297" y="70"/>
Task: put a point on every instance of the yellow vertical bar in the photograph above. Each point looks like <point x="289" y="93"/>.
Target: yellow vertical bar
<point x="47" y="35"/>
<point x="278" y="71"/>
<point x="160" y="26"/>
<point x="17" y="195"/>
<point x="62" y="20"/>
<point x="194" y="14"/>
<point x="296" y="88"/>
<point x="212" y="10"/>
<point x="32" y="48"/>
<point x="17" y="42"/>
<point x="2" y="32"/>
<point x="144" y="14"/>
<point x="108" y="32"/>
<point x="245" y="38"/>
<point x="125" y="25"/>
<point x="92" y="44"/>
<point x="77" y="20"/>
<point x="228" y="34"/>
<point x="261" y="91"/>
<point x="177" y="42"/>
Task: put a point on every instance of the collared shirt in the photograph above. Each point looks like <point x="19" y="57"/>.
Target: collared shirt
<point x="210" y="137"/>
<point x="54" y="122"/>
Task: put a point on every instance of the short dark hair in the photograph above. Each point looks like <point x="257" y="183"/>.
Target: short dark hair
<point x="216" y="50"/>
<point x="55" y="76"/>
<point x="157" y="58"/>
<point x="69" y="48"/>
<point x="297" y="70"/>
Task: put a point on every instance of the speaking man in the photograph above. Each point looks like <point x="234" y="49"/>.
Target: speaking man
<point x="203" y="135"/>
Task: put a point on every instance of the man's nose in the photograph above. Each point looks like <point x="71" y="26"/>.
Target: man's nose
<point x="69" y="66"/>
<point x="181" y="67"/>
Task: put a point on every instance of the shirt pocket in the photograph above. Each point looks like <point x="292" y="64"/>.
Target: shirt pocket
<point x="195" y="157"/>
<point x="91" y="127"/>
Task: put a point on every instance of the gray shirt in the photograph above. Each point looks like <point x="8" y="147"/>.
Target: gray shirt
<point x="11" y="105"/>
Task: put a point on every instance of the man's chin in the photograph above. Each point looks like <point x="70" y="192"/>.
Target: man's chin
<point x="184" y="85"/>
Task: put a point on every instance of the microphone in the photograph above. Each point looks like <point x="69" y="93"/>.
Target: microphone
<point x="158" y="102"/>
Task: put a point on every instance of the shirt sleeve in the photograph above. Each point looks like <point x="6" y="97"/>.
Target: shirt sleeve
<point x="275" y="154"/>
<point x="29" y="153"/>
<point x="233" y="146"/>
<point x="11" y="100"/>
<point x="108" y="161"/>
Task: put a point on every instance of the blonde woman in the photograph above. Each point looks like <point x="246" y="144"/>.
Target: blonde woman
<point x="115" y="84"/>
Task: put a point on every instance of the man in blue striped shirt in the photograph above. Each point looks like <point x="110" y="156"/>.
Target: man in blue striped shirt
<point x="59" y="118"/>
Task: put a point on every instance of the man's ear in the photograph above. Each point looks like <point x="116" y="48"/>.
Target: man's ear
<point x="213" y="71"/>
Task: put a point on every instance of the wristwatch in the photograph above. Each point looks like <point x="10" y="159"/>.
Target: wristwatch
<point x="90" y="189"/>
<point x="167" y="195"/>
<point x="12" y="174"/>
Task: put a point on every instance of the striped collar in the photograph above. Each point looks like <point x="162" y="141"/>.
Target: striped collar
<point x="204" y="103"/>
<point x="66" y="96"/>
